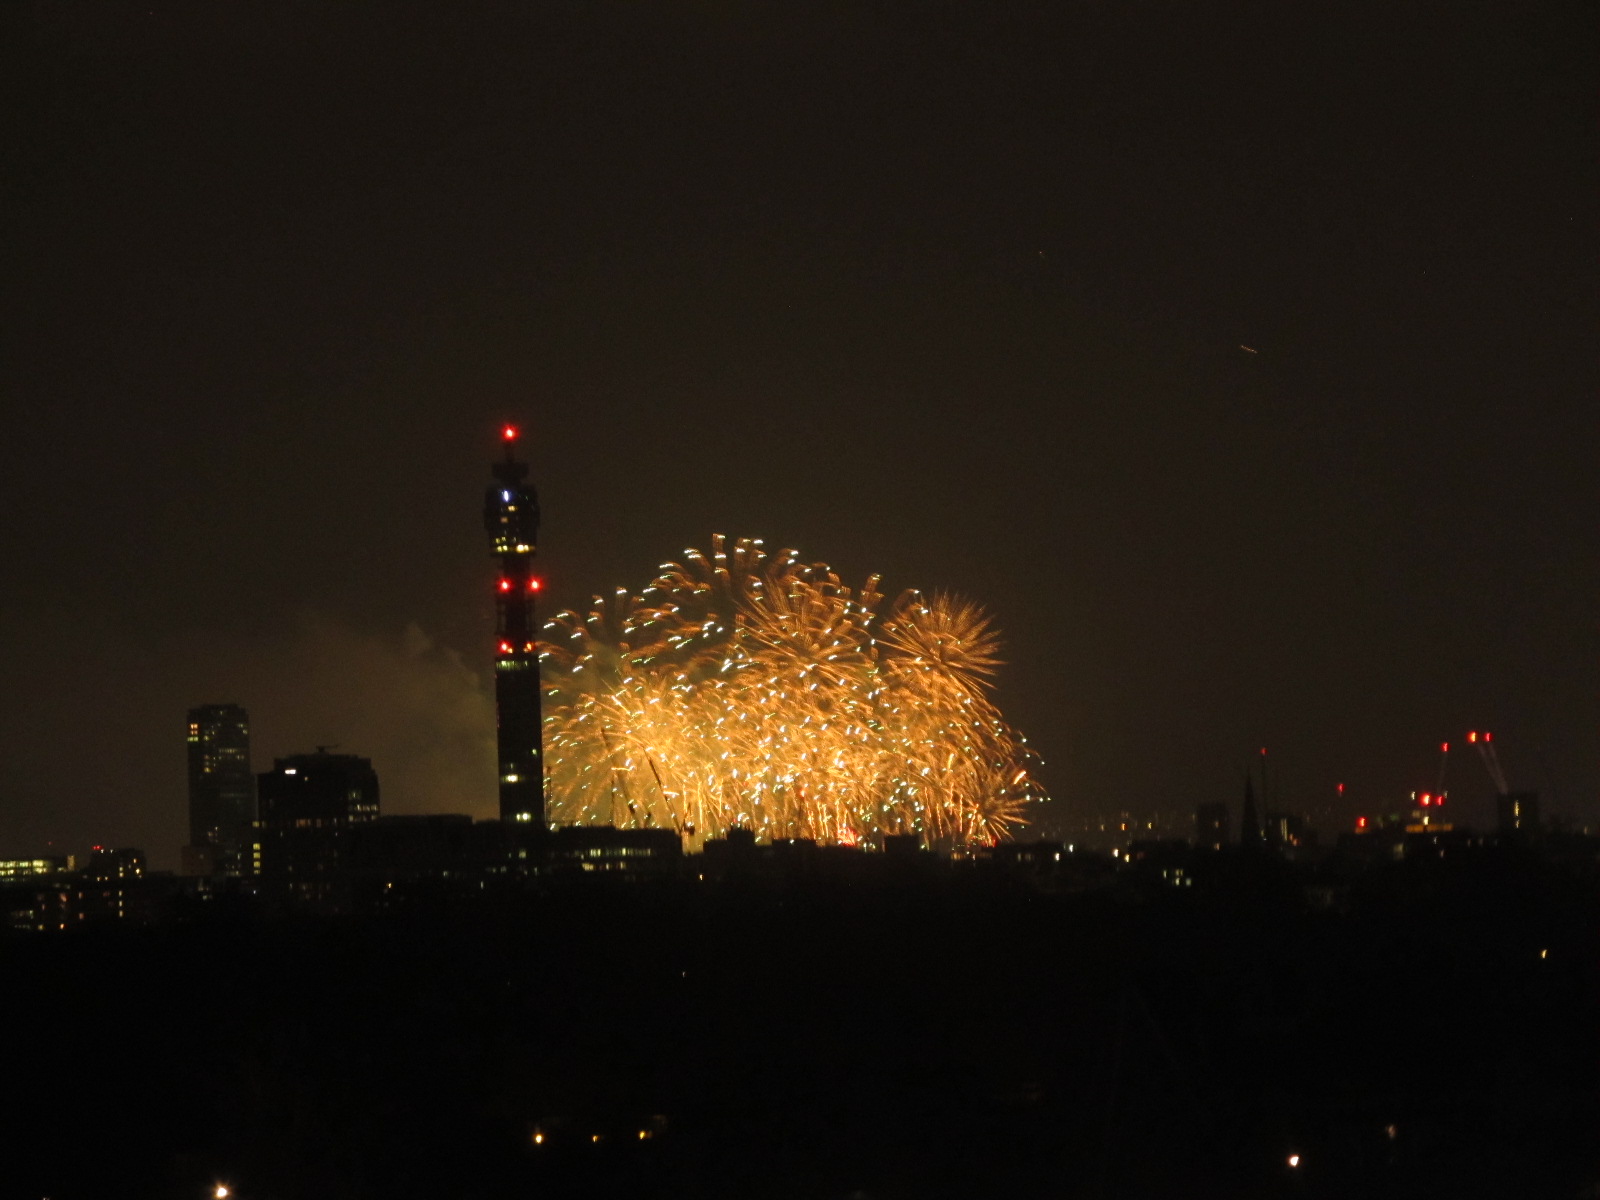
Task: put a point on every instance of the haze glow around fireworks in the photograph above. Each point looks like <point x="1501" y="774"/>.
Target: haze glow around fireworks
<point x="742" y="690"/>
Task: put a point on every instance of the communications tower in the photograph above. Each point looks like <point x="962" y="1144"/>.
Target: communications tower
<point x="511" y="516"/>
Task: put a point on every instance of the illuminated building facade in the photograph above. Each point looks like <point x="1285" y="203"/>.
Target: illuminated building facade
<point x="29" y="870"/>
<point x="589" y="848"/>
<point x="309" y="803"/>
<point x="511" y="517"/>
<point x="222" y="790"/>
<point x="110" y="885"/>
<point x="1517" y="813"/>
<point x="1285" y="831"/>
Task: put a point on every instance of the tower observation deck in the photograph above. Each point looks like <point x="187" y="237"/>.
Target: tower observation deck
<point x="511" y="517"/>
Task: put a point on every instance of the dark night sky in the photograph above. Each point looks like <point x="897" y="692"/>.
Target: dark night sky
<point x="951" y="292"/>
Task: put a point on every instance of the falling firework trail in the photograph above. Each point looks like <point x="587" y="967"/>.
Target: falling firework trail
<point x="740" y="689"/>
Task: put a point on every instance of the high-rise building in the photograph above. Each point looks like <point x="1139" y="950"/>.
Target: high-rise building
<point x="1517" y="813"/>
<point x="1211" y="825"/>
<point x="309" y="802"/>
<point x="1250" y="832"/>
<point x="1284" y="831"/>
<point x="222" y="790"/>
<point x="511" y="517"/>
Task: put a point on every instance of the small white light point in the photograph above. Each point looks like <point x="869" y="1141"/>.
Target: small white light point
<point x="1294" y="1160"/>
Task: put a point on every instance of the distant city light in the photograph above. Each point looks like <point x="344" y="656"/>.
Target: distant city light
<point x="509" y="433"/>
<point x="1294" y="1160"/>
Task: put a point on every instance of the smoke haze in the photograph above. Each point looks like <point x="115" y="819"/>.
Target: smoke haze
<point x="398" y="697"/>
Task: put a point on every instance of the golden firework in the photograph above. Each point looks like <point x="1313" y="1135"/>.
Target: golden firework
<point x="745" y="690"/>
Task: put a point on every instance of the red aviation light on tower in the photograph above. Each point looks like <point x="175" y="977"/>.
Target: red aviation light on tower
<point x="505" y="585"/>
<point x="509" y="433"/>
<point x="534" y="585"/>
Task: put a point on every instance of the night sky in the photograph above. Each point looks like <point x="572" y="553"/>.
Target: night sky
<point x="957" y="293"/>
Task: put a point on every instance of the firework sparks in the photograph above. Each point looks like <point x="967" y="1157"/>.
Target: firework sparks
<point x="742" y="689"/>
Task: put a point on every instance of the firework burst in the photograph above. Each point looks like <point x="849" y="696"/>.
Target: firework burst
<point x="742" y="689"/>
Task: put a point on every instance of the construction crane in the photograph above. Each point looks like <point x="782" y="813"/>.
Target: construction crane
<point x="1491" y="761"/>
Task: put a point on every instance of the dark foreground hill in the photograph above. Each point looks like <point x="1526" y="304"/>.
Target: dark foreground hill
<point x="897" y="1039"/>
